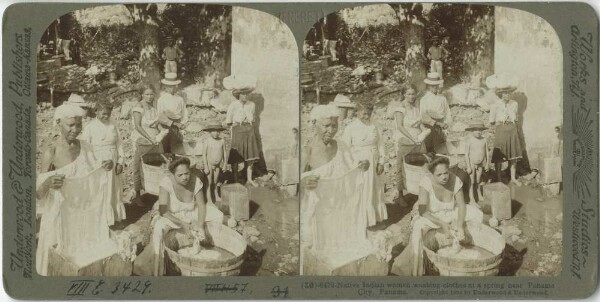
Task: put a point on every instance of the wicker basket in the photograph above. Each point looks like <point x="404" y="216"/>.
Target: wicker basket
<point x="484" y="237"/>
<point x="223" y="237"/>
<point x="415" y="168"/>
<point x="152" y="171"/>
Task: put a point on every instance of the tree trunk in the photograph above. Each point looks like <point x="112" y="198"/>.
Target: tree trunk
<point x="416" y="66"/>
<point x="146" y="24"/>
<point x="478" y="59"/>
<point x="410" y="17"/>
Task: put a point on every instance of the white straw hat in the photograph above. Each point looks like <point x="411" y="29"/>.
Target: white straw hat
<point x="433" y="78"/>
<point x="170" y="79"/>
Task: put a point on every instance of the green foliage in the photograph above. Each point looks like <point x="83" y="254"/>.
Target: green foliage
<point x="206" y="34"/>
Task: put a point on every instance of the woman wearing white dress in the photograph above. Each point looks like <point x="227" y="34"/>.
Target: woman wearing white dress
<point x="365" y="143"/>
<point x="103" y="135"/>
<point x="181" y="207"/>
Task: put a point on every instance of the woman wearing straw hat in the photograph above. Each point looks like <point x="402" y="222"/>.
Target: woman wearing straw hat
<point x="503" y="114"/>
<point x="435" y="114"/>
<point x="240" y="116"/>
<point x="173" y="107"/>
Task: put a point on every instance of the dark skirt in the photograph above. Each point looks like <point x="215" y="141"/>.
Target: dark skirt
<point x="434" y="139"/>
<point x="244" y="145"/>
<point x="507" y="145"/>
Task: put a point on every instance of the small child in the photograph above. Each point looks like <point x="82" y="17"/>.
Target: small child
<point x="103" y="135"/>
<point x="477" y="159"/>
<point x="214" y="158"/>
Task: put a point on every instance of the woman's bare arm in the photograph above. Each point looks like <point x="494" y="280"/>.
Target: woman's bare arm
<point x="399" y="118"/>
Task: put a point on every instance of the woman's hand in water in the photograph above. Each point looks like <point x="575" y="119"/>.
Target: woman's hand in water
<point x="364" y="165"/>
<point x="107" y="165"/>
<point x="310" y="182"/>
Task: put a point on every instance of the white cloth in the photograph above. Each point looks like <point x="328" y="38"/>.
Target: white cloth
<point x="75" y="217"/>
<point x="333" y="220"/>
<point x="436" y="106"/>
<point x="184" y="211"/>
<point x="366" y="144"/>
<point x="107" y="145"/>
<point x="239" y="112"/>
<point x="324" y="111"/>
<point x="173" y="107"/>
<point x="68" y="110"/>
<point x="501" y="111"/>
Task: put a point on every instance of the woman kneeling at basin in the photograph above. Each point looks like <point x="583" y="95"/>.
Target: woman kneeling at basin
<point x="441" y="205"/>
<point x="181" y="206"/>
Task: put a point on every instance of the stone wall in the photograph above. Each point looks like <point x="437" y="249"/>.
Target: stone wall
<point x="527" y="47"/>
<point x="265" y="47"/>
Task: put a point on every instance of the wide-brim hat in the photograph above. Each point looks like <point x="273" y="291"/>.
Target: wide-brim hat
<point x="501" y="83"/>
<point x="170" y="79"/>
<point x="214" y="127"/>
<point x="240" y="82"/>
<point x="474" y="127"/>
<point x="435" y="38"/>
<point x="343" y="101"/>
<point x="433" y="78"/>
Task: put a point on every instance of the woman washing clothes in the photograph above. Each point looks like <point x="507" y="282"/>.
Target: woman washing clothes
<point x="146" y="136"/>
<point x="240" y="116"/>
<point x="366" y="143"/>
<point x="441" y="205"/>
<point x="409" y="134"/>
<point x="173" y="107"/>
<point x="503" y="115"/>
<point x="181" y="208"/>
<point x="67" y="157"/>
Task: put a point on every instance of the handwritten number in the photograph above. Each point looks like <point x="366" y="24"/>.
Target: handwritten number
<point x="280" y="293"/>
<point x="146" y="287"/>
<point x="117" y="285"/>
<point x="126" y="286"/>
<point x="97" y="290"/>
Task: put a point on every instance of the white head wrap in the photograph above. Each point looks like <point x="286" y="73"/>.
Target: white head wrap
<point x="67" y="110"/>
<point x="324" y="111"/>
<point x="78" y="100"/>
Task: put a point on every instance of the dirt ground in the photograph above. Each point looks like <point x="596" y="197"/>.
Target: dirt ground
<point x="271" y="231"/>
<point x="533" y="234"/>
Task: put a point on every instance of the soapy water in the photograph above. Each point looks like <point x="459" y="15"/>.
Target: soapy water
<point x="212" y="253"/>
<point x="465" y="252"/>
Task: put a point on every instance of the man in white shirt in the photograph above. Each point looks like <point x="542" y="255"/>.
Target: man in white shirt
<point x="435" y="114"/>
<point x="173" y="107"/>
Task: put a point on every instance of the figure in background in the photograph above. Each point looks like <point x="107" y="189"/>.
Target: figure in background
<point x="435" y="114"/>
<point x="77" y="100"/>
<point x="477" y="159"/>
<point x="67" y="157"/>
<point x="103" y="135"/>
<point x="172" y="106"/>
<point x="344" y="105"/>
<point x="441" y="205"/>
<point x="437" y="53"/>
<point x="146" y="136"/>
<point x="365" y="142"/>
<point x="409" y="134"/>
<point x="240" y="116"/>
<point x="215" y="157"/>
<point x="503" y="115"/>
<point x="171" y="54"/>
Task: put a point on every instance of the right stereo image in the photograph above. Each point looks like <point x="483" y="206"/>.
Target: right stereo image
<point x="431" y="143"/>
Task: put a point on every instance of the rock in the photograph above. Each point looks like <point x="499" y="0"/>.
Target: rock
<point x="253" y="239"/>
<point x="493" y="222"/>
<point x="459" y="127"/>
<point x="457" y="94"/>
<point x="125" y="111"/>
<point x="194" y="127"/>
<point x="359" y="71"/>
<point x="250" y="231"/>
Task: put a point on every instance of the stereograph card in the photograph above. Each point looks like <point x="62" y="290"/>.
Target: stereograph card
<point x="300" y="151"/>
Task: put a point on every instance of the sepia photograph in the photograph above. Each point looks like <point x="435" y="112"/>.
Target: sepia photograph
<point x="431" y="142"/>
<point x="167" y="143"/>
